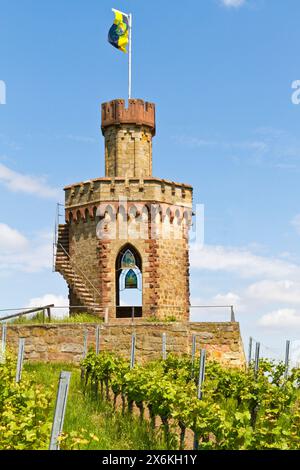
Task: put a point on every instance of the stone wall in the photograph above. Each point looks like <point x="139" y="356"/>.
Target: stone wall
<point x="128" y="151"/>
<point x="173" y="296"/>
<point x="64" y="342"/>
<point x="83" y="244"/>
<point x="165" y="265"/>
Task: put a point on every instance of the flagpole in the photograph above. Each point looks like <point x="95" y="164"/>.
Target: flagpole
<point x="129" y="16"/>
<point x="129" y="55"/>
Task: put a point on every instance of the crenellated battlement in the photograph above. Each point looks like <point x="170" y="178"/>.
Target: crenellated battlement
<point x="139" y="112"/>
<point x="99" y="190"/>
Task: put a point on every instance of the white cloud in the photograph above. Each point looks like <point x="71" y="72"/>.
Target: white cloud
<point x="296" y="223"/>
<point x="17" y="253"/>
<point x="273" y="293"/>
<point x="230" y="298"/>
<point x="208" y="309"/>
<point x="242" y="262"/>
<point x="18" y="182"/>
<point x="11" y="241"/>
<point x="233" y="3"/>
<point x="49" y="299"/>
<point x="285" y="291"/>
<point x="282" y="318"/>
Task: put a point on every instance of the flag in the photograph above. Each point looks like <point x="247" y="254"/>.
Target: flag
<point x="118" y="33"/>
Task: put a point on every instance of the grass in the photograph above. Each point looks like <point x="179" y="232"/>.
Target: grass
<point x="38" y="319"/>
<point x="113" y="430"/>
<point x="78" y="318"/>
<point x="169" y="319"/>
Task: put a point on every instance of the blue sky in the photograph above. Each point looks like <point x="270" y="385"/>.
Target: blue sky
<point x="220" y="73"/>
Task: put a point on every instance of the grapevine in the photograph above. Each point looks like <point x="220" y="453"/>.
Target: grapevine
<point x="238" y="410"/>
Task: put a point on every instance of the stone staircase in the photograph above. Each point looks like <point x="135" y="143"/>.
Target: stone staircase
<point x="80" y="285"/>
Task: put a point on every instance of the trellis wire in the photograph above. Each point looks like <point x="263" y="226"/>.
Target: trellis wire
<point x="164" y="346"/>
<point x="60" y="409"/>
<point x="20" y="359"/>
<point x="132" y="352"/>
<point x="287" y="358"/>
<point x="98" y="331"/>
<point x="273" y="350"/>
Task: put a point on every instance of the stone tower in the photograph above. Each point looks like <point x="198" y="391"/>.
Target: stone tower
<point x="127" y="233"/>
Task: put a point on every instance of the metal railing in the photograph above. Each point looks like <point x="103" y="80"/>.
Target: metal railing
<point x="44" y="309"/>
<point x="77" y="272"/>
<point x="134" y="312"/>
<point x="25" y="311"/>
<point x="74" y="268"/>
<point x="231" y="307"/>
<point x="58" y="215"/>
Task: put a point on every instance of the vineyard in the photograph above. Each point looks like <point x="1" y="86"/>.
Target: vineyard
<point x="237" y="410"/>
<point x="27" y="411"/>
<point x="24" y="411"/>
<point x="153" y="406"/>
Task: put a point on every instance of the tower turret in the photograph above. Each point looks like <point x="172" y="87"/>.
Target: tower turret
<point x="128" y="136"/>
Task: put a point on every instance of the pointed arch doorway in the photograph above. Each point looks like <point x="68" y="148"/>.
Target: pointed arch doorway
<point x="129" y="283"/>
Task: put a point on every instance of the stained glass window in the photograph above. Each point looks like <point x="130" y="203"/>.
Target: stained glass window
<point x="131" y="281"/>
<point x="128" y="260"/>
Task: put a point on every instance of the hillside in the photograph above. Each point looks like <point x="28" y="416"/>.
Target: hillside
<point x="237" y="409"/>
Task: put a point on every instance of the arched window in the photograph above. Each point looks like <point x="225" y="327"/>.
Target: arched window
<point x="128" y="283"/>
<point x="128" y="260"/>
<point x="131" y="280"/>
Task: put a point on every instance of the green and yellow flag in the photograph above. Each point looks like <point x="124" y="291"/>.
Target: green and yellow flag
<point x="118" y="33"/>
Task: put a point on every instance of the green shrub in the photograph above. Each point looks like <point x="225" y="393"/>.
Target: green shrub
<point x="25" y="418"/>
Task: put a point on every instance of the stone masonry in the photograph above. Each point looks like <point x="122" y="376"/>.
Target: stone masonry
<point x="127" y="207"/>
<point x="64" y="342"/>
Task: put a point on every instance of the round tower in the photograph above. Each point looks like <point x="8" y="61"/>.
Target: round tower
<point x="124" y="247"/>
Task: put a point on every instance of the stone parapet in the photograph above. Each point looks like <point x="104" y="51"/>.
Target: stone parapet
<point x="99" y="190"/>
<point x="139" y="112"/>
